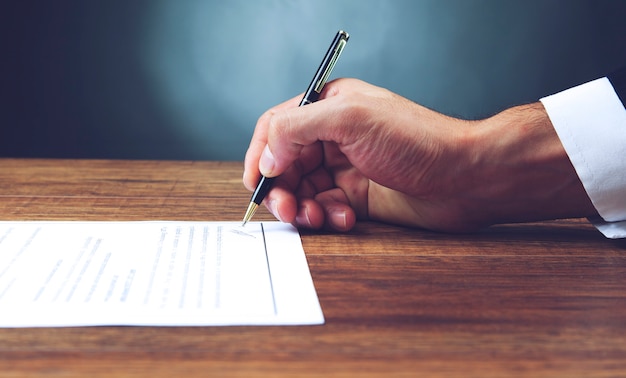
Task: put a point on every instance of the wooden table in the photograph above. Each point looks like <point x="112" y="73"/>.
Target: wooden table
<point x="537" y="300"/>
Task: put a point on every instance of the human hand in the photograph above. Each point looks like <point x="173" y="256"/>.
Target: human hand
<point x="363" y="152"/>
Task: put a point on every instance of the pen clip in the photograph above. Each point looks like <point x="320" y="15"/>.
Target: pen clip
<point x="331" y="64"/>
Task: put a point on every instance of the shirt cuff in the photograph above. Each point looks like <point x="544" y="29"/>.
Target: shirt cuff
<point x="590" y="121"/>
<point x="612" y="230"/>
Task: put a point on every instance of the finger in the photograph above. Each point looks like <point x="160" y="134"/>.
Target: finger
<point x="338" y="214"/>
<point x="310" y="214"/>
<point x="251" y="175"/>
<point x="282" y="199"/>
<point x="282" y="203"/>
<point x="310" y="160"/>
<point x="315" y="182"/>
<point x="335" y="118"/>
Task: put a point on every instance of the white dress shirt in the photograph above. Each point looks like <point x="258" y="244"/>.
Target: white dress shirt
<point x="590" y="121"/>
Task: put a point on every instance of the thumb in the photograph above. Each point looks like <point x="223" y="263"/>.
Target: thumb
<point x="333" y="119"/>
<point x="289" y="131"/>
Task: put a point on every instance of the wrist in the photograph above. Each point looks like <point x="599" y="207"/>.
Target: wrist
<point x="520" y="170"/>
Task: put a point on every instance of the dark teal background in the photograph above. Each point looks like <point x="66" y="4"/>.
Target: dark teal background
<point x="187" y="79"/>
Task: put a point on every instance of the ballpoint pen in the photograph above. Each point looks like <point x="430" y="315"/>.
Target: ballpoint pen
<point x="311" y="95"/>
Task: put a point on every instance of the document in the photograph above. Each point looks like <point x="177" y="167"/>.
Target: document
<point x="154" y="273"/>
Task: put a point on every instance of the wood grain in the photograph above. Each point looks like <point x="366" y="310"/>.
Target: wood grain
<point x="537" y="300"/>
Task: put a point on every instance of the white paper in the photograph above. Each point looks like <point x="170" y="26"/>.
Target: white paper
<point x="154" y="273"/>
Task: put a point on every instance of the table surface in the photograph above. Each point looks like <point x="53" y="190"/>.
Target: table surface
<point x="540" y="300"/>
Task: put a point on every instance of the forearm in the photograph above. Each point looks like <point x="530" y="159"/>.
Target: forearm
<point x="521" y="171"/>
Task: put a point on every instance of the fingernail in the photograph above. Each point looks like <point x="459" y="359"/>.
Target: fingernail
<point x="266" y="163"/>
<point x="339" y="219"/>
<point x="303" y="217"/>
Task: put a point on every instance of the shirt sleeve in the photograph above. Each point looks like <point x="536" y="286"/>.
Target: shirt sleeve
<point x="590" y="120"/>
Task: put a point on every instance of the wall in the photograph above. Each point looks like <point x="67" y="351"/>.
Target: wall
<point x="157" y="79"/>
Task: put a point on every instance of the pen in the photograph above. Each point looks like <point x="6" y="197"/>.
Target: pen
<point x="311" y="95"/>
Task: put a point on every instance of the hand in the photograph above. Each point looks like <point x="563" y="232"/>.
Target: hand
<point x="363" y="152"/>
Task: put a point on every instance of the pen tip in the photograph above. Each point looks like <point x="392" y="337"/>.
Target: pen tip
<point x="249" y="213"/>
